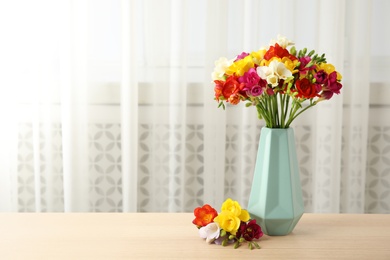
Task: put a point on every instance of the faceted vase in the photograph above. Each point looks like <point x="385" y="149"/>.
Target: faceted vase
<point x="276" y="196"/>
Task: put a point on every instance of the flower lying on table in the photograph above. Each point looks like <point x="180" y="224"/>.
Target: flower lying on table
<point x="231" y="225"/>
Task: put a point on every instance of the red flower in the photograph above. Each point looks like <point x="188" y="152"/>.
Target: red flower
<point x="227" y="88"/>
<point x="204" y="215"/>
<point x="306" y="89"/>
<point x="249" y="231"/>
<point x="279" y="52"/>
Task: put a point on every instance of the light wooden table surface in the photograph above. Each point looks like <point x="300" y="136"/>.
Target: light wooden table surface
<point x="173" y="236"/>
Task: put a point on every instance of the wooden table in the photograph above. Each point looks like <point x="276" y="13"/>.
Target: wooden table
<point x="173" y="236"/>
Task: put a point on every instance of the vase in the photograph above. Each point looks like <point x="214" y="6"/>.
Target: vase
<point x="276" y="200"/>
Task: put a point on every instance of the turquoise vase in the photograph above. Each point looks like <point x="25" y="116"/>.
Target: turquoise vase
<point x="276" y="196"/>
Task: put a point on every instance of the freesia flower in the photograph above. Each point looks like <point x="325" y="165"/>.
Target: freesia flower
<point x="256" y="91"/>
<point x="321" y="76"/>
<point x="242" y="55"/>
<point x="250" y="78"/>
<point x="204" y="215"/>
<point x="304" y="61"/>
<point x="239" y="67"/>
<point x="220" y="67"/>
<point x="210" y="232"/>
<point x="249" y="231"/>
<point x="282" y="42"/>
<point x="231" y="226"/>
<point x="258" y="56"/>
<point x="306" y="89"/>
<point x="232" y="206"/>
<point x="278" y="52"/>
<point x="235" y="208"/>
<point x="333" y="85"/>
<point x="275" y="71"/>
<point x="228" y="221"/>
<point x="226" y="88"/>
<point x="279" y="69"/>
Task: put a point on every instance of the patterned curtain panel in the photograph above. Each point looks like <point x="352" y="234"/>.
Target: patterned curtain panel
<point x="108" y="106"/>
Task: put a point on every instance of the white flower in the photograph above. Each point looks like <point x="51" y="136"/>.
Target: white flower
<point x="263" y="71"/>
<point x="220" y="67"/>
<point x="280" y="70"/>
<point x="282" y="41"/>
<point x="273" y="80"/>
<point x="275" y="71"/>
<point x="210" y="232"/>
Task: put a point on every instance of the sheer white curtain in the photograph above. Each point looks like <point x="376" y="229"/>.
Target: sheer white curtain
<point x="108" y="105"/>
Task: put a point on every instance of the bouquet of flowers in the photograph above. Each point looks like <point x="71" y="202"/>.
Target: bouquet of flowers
<point x="276" y="80"/>
<point x="231" y="225"/>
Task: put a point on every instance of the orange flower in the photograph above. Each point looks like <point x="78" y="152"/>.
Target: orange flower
<point x="204" y="215"/>
<point x="224" y="89"/>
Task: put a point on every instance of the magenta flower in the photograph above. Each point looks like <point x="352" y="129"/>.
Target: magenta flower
<point x="302" y="67"/>
<point x="256" y="91"/>
<point x="321" y="76"/>
<point x="333" y="85"/>
<point x="250" y="78"/>
<point x="326" y="94"/>
<point x="241" y="56"/>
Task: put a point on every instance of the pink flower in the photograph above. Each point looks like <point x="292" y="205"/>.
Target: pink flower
<point x="302" y="67"/>
<point x="256" y="91"/>
<point x="250" y="78"/>
<point x="241" y="56"/>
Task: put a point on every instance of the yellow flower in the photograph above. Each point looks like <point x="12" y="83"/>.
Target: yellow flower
<point x="244" y="215"/>
<point x="235" y="208"/>
<point x="228" y="221"/>
<point x="258" y="56"/>
<point x="241" y="66"/>
<point x="339" y="77"/>
<point x="290" y="65"/>
<point x="329" y="68"/>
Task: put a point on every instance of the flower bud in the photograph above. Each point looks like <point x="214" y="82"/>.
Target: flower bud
<point x="225" y="242"/>
<point x="293" y="51"/>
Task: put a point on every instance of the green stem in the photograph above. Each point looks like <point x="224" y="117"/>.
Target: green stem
<point x="275" y="109"/>
<point x="261" y="110"/>
<point x="293" y="115"/>
<point x="287" y="104"/>
<point x="282" y="100"/>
